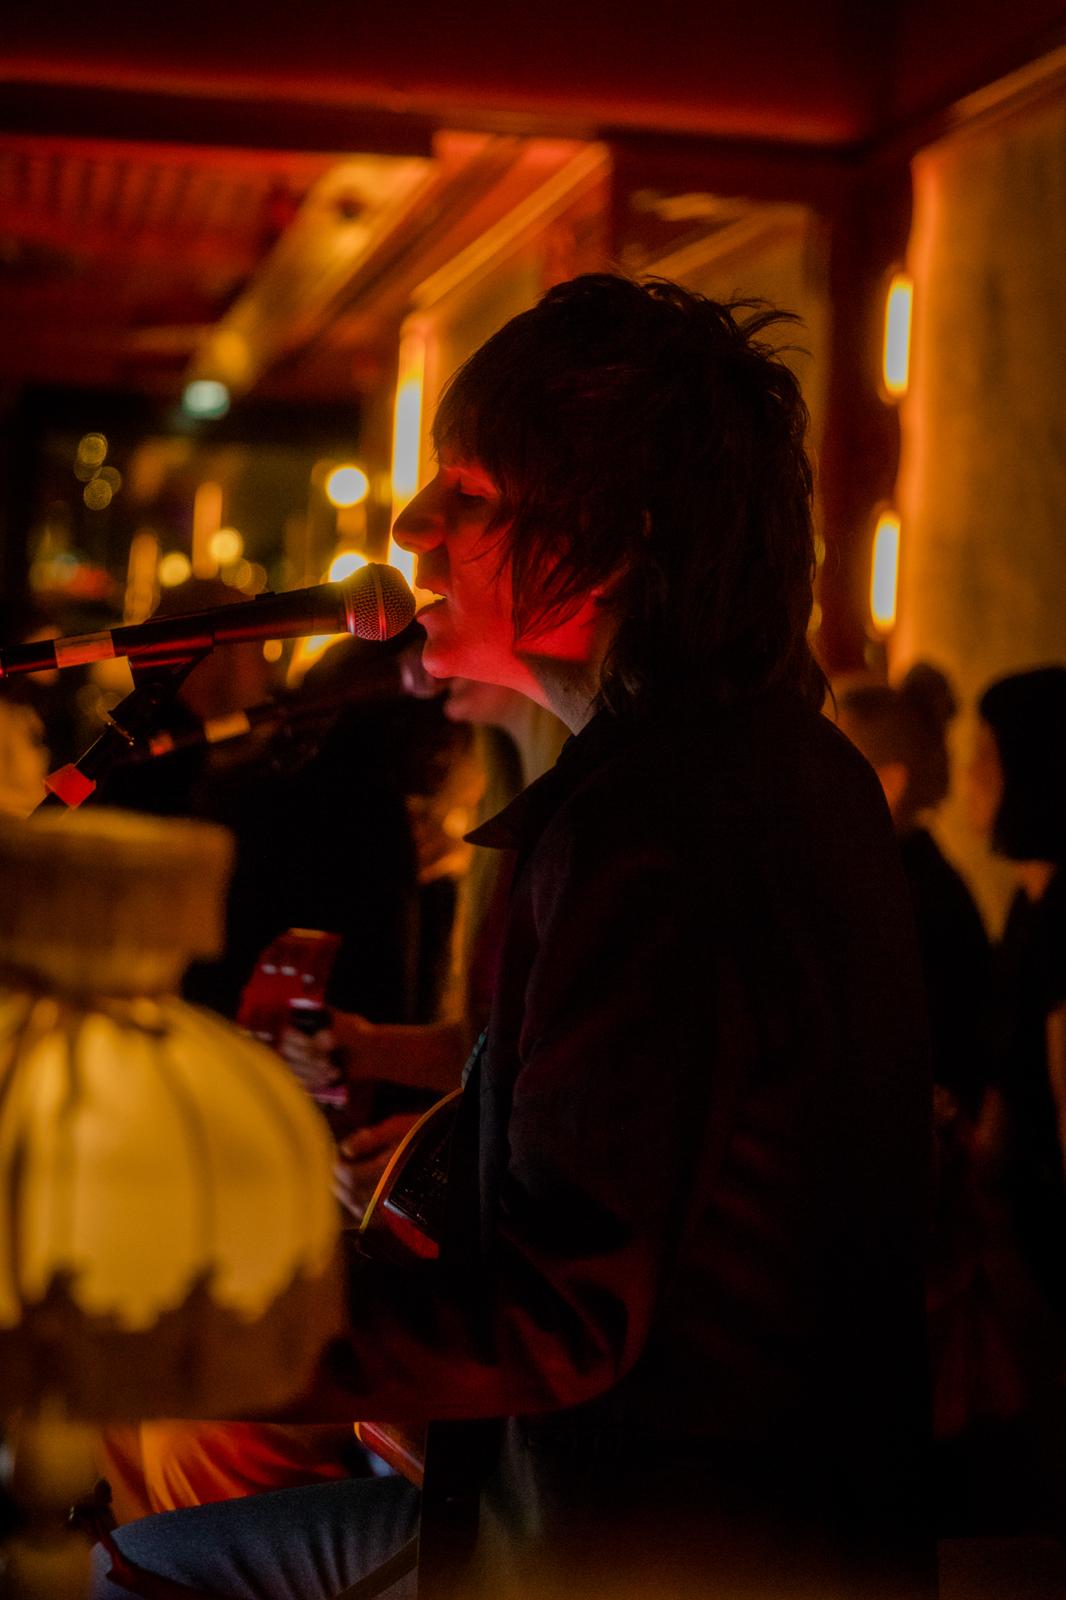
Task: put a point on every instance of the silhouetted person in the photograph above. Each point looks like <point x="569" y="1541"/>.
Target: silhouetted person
<point x="902" y="731"/>
<point x="1018" y="789"/>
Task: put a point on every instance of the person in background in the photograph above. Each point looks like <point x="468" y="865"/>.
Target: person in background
<point x="902" y="731"/>
<point x="981" y="1475"/>
<point x="1017" y="785"/>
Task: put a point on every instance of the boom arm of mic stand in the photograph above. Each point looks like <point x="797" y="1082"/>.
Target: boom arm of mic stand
<point x="153" y="688"/>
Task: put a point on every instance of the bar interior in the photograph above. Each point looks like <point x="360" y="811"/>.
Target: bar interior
<point x="246" y="944"/>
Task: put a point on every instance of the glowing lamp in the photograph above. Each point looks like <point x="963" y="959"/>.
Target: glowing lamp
<point x="884" y="572"/>
<point x="205" y="398"/>
<point x="896" y="356"/>
<point x="347" y="486"/>
<point x="169" y="1241"/>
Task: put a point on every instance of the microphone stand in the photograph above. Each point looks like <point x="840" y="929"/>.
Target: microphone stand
<point x="154" y="686"/>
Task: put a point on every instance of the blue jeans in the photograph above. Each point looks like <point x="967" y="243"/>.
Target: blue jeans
<point x="290" y="1544"/>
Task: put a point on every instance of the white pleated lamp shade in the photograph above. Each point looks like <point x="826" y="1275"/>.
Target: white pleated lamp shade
<point x="168" y="1242"/>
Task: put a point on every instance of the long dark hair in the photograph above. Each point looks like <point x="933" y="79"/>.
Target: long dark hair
<point x="646" y="440"/>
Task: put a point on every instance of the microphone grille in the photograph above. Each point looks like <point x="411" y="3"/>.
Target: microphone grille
<point x="378" y="602"/>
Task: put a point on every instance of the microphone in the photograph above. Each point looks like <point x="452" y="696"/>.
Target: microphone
<point x="384" y="678"/>
<point x="374" y="603"/>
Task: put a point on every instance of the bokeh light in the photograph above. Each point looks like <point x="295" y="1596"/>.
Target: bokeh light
<point x="97" y="493"/>
<point x="174" y="568"/>
<point x="344" y="564"/>
<point x="347" y="485"/>
<point x="897" y="351"/>
<point x="227" y="546"/>
<point x="92" y="450"/>
<point x="884" y="572"/>
<point x="204" y="397"/>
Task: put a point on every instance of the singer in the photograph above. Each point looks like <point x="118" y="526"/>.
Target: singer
<point x="673" y="1345"/>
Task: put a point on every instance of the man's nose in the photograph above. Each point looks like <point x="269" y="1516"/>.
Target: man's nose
<point x="419" y="525"/>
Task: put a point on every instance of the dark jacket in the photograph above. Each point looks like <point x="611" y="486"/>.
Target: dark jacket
<point x="689" y="1187"/>
<point x="957" y="964"/>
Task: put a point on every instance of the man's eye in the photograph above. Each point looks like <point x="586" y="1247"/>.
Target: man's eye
<point x="469" y="497"/>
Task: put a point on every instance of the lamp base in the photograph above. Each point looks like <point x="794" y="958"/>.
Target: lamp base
<point x="53" y="1466"/>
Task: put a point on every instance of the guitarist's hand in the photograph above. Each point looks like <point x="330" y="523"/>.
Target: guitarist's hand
<point x="361" y="1159"/>
<point x="314" y="1059"/>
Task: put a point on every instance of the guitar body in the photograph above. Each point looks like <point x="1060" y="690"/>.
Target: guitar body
<point x="404" y="1218"/>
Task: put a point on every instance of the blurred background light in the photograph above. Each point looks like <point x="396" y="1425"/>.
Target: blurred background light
<point x="884" y="572"/>
<point x="897" y="351"/>
<point x="407" y="439"/>
<point x="344" y="564"/>
<point x="204" y="397"/>
<point x="92" y="450"/>
<point x="226" y="546"/>
<point x="347" y="485"/>
<point x="142" y="572"/>
<point x="97" y="493"/>
<point x="174" y="568"/>
<point x="206" y="524"/>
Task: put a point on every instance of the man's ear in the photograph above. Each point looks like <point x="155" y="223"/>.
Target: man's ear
<point x="604" y="592"/>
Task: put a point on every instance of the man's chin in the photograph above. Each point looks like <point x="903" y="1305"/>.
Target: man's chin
<point x="436" y="661"/>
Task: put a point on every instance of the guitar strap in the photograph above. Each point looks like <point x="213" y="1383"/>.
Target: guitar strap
<point x="391" y="1571"/>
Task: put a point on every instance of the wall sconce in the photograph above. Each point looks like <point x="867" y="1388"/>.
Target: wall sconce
<point x="896" y="352"/>
<point x="884" y="571"/>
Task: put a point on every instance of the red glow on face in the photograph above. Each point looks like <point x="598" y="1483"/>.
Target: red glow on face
<point x="470" y="631"/>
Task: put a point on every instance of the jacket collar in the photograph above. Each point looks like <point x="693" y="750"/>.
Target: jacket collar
<point x="520" y="822"/>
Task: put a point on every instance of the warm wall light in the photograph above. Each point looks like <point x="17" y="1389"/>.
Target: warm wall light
<point x="347" y="486"/>
<point x="407" y="438"/>
<point x="896" y="357"/>
<point x="884" y="572"/>
<point x="206" y="522"/>
<point x="141" y="576"/>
